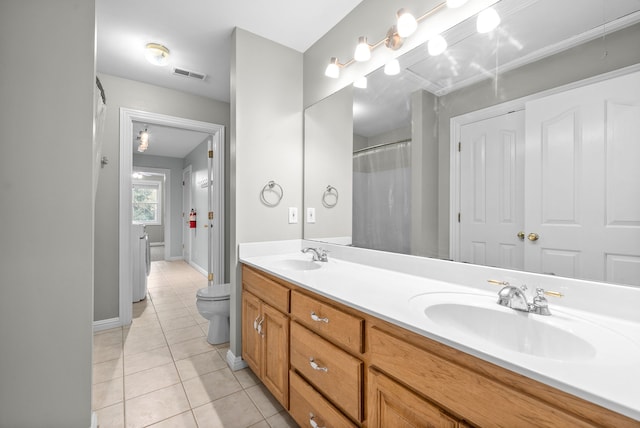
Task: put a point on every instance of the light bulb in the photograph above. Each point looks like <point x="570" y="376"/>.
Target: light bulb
<point x="407" y="24"/>
<point x="392" y="68"/>
<point x="488" y="20"/>
<point x="452" y="4"/>
<point x="436" y="45"/>
<point x="361" y="82"/>
<point x="156" y="54"/>
<point x="363" y="50"/>
<point x="332" y="70"/>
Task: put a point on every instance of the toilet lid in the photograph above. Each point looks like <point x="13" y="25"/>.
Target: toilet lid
<point x="215" y="292"/>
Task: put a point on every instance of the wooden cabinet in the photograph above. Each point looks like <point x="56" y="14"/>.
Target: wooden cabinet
<point x="393" y="405"/>
<point x="265" y="335"/>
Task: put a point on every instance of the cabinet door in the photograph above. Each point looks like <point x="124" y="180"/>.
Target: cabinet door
<point x="275" y="353"/>
<point x="250" y="337"/>
<point x="392" y="405"/>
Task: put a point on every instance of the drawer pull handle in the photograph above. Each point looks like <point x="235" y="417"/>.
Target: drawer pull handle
<point x="260" y="327"/>
<point x="255" y="323"/>
<point x="313" y="423"/>
<point x="316" y="318"/>
<point x="315" y="366"/>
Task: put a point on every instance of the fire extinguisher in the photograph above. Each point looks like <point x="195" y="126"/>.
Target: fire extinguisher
<point x="192" y="219"/>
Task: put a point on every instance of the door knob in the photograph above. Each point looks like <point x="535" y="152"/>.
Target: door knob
<point x="533" y="237"/>
<point x="521" y="235"/>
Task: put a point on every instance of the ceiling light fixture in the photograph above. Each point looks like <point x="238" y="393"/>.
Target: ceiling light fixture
<point x="406" y="25"/>
<point x="143" y="137"/>
<point x="156" y="54"/>
<point x="487" y="20"/>
<point x="363" y="50"/>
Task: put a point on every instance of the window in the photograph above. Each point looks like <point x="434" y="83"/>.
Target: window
<point x="147" y="199"/>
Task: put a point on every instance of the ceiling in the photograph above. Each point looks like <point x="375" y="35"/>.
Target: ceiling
<point x="167" y="141"/>
<point x="198" y="34"/>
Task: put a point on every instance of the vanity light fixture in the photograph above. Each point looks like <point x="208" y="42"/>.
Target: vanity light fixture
<point x="436" y="45"/>
<point x="406" y="25"/>
<point x="361" y="82"/>
<point x="392" y="67"/>
<point x="488" y="20"/>
<point x="156" y="54"/>
<point x="143" y="137"/>
<point x="363" y="50"/>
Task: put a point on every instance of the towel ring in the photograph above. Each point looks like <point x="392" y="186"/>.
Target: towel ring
<point x="271" y="187"/>
<point x="328" y="193"/>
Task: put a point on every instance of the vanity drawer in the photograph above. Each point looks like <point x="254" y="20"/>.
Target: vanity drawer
<point x="266" y="289"/>
<point x="331" y="370"/>
<point x="306" y="403"/>
<point x="334" y="324"/>
<point x="460" y="390"/>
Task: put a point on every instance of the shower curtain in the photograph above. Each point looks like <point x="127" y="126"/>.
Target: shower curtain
<point x="382" y="198"/>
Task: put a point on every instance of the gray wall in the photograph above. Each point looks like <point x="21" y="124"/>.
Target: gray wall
<point x="139" y="96"/>
<point x="46" y="213"/>
<point x="266" y="144"/>
<point x="199" y="236"/>
<point x="174" y="165"/>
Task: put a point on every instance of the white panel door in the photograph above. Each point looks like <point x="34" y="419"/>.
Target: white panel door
<point x="186" y="208"/>
<point x="491" y="188"/>
<point x="583" y="182"/>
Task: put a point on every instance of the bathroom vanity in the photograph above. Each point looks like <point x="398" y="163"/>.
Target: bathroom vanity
<point x="337" y="353"/>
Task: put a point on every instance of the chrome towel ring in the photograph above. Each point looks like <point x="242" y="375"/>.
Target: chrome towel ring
<point x="271" y="187"/>
<point x="330" y="197"/>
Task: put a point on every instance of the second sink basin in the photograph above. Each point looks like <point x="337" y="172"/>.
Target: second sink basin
<point x="480" y="319"/>
<point x="296" y="265"/>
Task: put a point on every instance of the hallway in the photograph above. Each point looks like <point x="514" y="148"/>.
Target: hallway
<point x="161" y="372"/>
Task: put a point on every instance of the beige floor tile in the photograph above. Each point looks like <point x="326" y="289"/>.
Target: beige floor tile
<point x="198" y="365"/>
<point x="169" y="306"/>
<point x="155" y="406"/>
<point x="150" y="380"/>
<point x="107" y="393"/>
<point x="183" y="334"/>
<point x="144" y="343"/>
<point x="173" y="314"/>
<point x="211" y="386"/>
<point x="177" y="323"/>
<point x="102" y="353"/>
<point x="190" y="347"/>
<point x="111" y="416"/>
<point x="264" y="401"/>
<point x="147" y="360"/>
<point x="282" y="420"/>
<point x="246" y="378"/>
<point x="140" y="331"/>
<point x="108" y="337"/>
<point x="261" y="424"/>
<point x="108" y="370"/>
<point x="233" y="411"/>
<point x="183" y="420"/>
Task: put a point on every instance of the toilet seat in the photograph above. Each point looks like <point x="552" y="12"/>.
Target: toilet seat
<point x="214" y="293"/>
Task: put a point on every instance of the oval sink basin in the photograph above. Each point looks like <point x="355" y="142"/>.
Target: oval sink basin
<point x="297" y="265"/>
<point x="477" y="318"/>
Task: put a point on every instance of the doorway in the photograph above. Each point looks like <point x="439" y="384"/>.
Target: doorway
<point x="215" y="172"/>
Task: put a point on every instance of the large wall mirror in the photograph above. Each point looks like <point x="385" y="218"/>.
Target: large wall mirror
<point x="516" y="149"/>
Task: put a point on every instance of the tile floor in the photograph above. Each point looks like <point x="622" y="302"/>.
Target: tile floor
<point x="161" y="372"/>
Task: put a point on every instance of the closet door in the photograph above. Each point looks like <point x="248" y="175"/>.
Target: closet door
<point x="582" y="182"/>
<point x="491" y="189"/>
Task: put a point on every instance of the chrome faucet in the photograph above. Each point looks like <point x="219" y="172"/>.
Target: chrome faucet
<point x="319" y="254"/>
<point x="515" y="298"/>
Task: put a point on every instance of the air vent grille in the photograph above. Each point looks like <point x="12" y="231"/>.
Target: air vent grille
<point x="188" y="73"/>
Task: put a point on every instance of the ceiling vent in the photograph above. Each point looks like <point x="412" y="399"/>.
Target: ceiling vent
<point x="187" y="73"/>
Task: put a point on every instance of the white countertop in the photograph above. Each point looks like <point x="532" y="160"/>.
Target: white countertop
<point x="610" y="378"/>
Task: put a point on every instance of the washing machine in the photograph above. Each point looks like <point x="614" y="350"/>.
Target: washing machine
<point x="141" y="261"/>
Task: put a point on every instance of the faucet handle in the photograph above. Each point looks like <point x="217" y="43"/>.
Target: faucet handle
<point x="551" y="293"/>
<point x="497" y="282"/>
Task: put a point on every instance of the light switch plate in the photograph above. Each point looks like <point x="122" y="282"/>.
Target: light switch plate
<point x="311" y="215"/>
<point x="293" y="215"/>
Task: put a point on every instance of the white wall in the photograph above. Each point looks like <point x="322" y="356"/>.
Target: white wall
<point x="266" y="144"/>
<point x="139" y="96"/>
<point x="47" y="80"/>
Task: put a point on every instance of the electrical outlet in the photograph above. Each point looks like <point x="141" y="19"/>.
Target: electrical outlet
<point x="311" y="215"/>
<point x="293" y="215"/>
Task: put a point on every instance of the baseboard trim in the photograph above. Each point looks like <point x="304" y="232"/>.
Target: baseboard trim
<point x="198" y="268"/>
<point x="106" y="324"/>
<point x="175" y="259"/>
<point x="94" y="420"/>
<point x="235" y="363"/>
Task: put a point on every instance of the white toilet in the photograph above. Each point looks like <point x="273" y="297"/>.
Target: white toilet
<point x="213" y="304"/>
